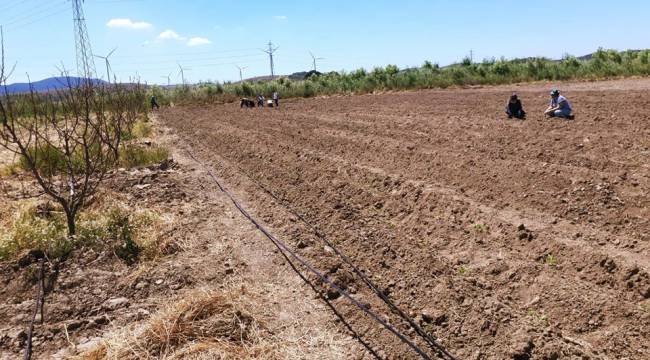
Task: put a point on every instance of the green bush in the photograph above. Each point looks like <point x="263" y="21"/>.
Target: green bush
<point x="142" y="129"/>
<point x="134" y="155"/>
<point x="50" y="160"/>
<point x="120" y="229"/>
<point x="604" y="64"/>
<point x="131" y="235"/>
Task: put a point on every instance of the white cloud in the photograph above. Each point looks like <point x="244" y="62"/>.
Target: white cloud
<point x="128" y="24"/>
<point x="198" y="41"/>
<point x="170" y="35"/>
<point x="281" y="18"/>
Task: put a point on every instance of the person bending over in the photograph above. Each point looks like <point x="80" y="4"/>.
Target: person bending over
<point x="560" y="106"/>
<point x="515" y="108"/>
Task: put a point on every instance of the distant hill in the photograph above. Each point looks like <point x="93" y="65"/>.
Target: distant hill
<point x="50" y="84"/>
<point x="302" y="75"/>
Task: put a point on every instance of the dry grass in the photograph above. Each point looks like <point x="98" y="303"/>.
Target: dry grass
<point x="203" y="324"/>
<point x="236" y="321"/>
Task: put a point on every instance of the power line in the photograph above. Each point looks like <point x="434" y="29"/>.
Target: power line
<point x="29" y="14"/>
<point x="116" y="1"/>
<point x="10" y="5"/>
<point x="197" y="65"/>
<point x="172" y="54"/>
<point x="20" y="26"/>
<point x="195" y="60"/>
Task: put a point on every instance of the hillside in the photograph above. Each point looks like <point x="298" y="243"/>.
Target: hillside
<point x="49" y="84"/>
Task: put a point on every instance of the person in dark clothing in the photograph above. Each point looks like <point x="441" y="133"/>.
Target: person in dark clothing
<point x="515" y="108"/>
<point x="154" y="103"/>
<point x="260" y="100"/>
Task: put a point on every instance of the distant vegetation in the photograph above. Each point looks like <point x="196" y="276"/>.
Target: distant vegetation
<point x="601" y="65"/>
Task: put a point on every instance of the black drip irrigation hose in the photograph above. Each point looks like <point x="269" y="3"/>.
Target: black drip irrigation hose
<point x="428" y="338"/>
<point x="282" y="247"/>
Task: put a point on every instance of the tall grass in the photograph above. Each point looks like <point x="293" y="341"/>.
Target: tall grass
<point x="604" y="64"/>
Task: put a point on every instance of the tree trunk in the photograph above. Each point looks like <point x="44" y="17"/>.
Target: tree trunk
<point x="70" y="217"/>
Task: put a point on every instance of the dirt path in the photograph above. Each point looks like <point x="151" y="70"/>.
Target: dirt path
<point x="506" y="239"/>
<point x="301" y="324"/>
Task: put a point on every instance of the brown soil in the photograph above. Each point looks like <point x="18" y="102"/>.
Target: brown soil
<point x="505" y="239"/>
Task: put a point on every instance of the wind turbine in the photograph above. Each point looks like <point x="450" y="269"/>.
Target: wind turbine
<point x="241" y="69"/>
<point x="314" y="59"/>
<point x="108" y="64"/>
<point x="168" y="77"/>
<point x="181" y="72"/>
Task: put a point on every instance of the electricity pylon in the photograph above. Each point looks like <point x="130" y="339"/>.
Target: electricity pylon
<point x="271" y="51"/>
<point x="85" y="62"/>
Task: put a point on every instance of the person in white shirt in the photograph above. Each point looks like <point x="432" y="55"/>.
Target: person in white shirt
<point x="559" y="107"/>
<point x="276" y="98"/>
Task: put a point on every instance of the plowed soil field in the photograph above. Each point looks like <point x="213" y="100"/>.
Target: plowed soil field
<point x="504" y="239"/>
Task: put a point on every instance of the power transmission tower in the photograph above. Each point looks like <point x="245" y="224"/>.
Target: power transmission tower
<point x="241" y="72"/>
<point x="85" y="62"/>
<point x="315" y="59"/>
<point x="108" y="64"/>
<point x="271" y="51"/>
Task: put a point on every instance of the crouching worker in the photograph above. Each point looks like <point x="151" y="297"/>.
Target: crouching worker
<point x="247" y="103"/>
<point x="560" y="107"/>
<point x="515" y="108"/>
<point x="260" y="100"/>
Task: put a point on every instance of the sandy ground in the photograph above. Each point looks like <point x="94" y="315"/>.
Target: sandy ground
<point x="505" y="239"/>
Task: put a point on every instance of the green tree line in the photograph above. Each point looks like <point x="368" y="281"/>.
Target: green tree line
<point x="603" y="64"/>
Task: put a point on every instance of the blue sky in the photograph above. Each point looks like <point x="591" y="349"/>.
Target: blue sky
<point x="210" y="37"/>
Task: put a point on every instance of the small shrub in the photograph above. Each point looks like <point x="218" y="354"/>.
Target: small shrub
<point x="481" y="228"/>
<point x="31" y="231"/>
<point x="550" y="260"/>
<point x="539" y="318"/>
<point x="142" y="129"/>
<point x="133" y="155"/>
<point x="463" y="270"/>
<point x="41" y="227"/>
<point x="119" y="229"/>
<point x="49" y="160"/>
<point x="11" y="169"/>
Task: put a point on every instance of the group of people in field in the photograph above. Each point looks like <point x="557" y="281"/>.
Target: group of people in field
<point x="261" y="101"/>
<point x="559" y="107"/>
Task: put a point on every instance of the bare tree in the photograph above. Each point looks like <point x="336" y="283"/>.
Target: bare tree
<point x="68" y="139"/>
